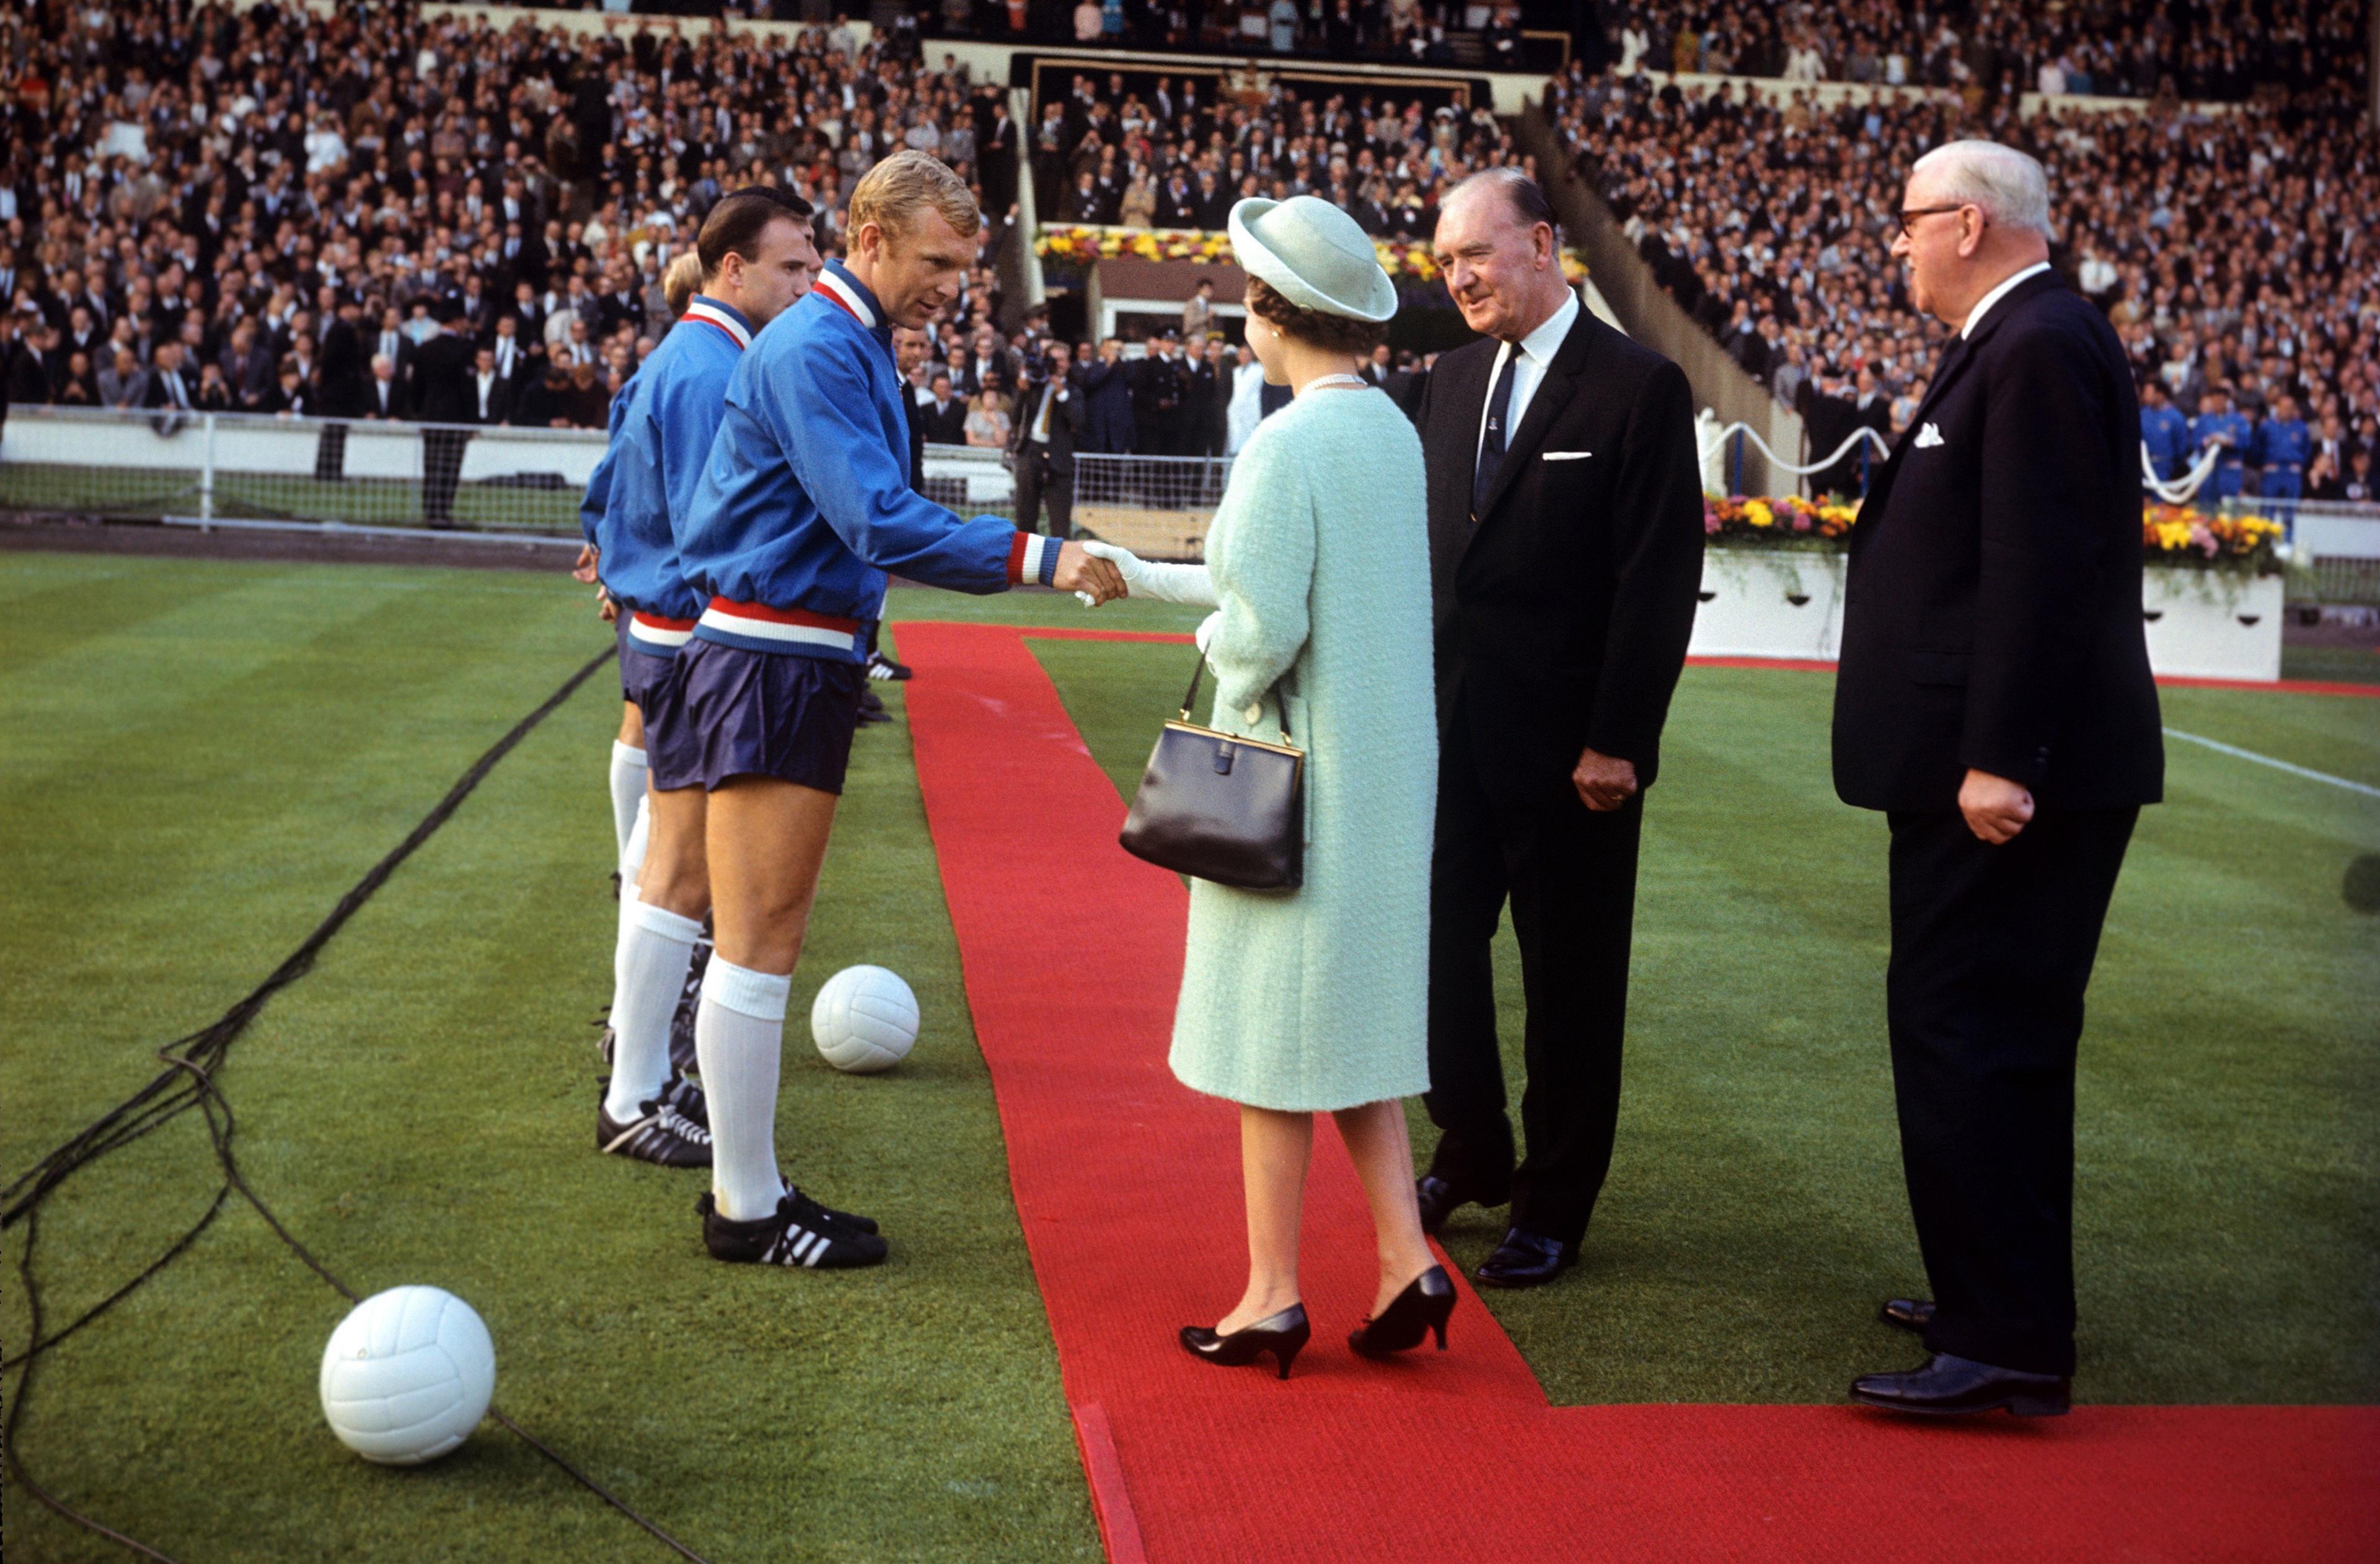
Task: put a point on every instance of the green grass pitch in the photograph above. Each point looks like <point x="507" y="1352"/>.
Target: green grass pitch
<point x="202" y="757"/>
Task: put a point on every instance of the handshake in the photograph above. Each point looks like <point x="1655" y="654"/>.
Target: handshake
<point x="1091" y="572"/>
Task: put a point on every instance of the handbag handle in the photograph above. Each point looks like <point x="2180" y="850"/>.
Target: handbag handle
<point x="1190" y="697"/>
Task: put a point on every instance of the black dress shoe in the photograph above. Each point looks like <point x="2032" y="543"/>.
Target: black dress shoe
<point x="1420" y="1310"/>
<point x="1282" y="1335"/>
<point x="1952" y="1386"/>
<point x="1438" y="1197"/>
<point x="1909" y="1314"/>
<point x="1525" y="1259"/>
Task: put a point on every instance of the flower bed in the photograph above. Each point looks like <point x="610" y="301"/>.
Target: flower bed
<point x="1790" y="522"/>
<point x="2175" y="537"/>
<point x="2184" y="539"/>
<point x="1773" y="577"/>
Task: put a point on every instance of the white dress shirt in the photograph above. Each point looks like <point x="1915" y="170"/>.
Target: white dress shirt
<point x="1537" y="350"/>
<point x="1983" y="305"/>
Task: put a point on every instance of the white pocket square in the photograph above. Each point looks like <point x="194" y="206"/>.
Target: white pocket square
<point x="1928" y="437"/>
<point x="1568" y="456"/>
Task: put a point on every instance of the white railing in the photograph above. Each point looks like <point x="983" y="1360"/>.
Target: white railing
<point x="253" y="467"/>
<point x="224" y="468"/>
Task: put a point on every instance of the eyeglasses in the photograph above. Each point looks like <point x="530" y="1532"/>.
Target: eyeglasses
<point x="1916" y="211"/>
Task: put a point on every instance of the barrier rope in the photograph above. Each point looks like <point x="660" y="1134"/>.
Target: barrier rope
<point x="2176" y="491"/>
<point x="189" y="1081"/>
<point x="2179" y="491"/>
<point x="1883" y="447"/>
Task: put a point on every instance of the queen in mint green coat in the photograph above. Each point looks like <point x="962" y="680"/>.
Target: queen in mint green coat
<point x="1315" y="1000"/>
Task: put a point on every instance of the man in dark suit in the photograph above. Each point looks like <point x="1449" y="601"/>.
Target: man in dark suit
<point x="36" y="371"/>
<point x="943" y="417"/>
<point x="910" y="351"/>
<point x="1157" y="401"/>
<point x="492" y="392"/>
<point x="1048" y="416"/>
<point x="384" y="396"/>
<point x="1994" y="698"/>
<point x="995" y="159"/>
<point x="389" y="342"/>
<point x="1106" y="387"/>
<point x="1566" y="536"/>
<point x="444" y="393"/>
<point x="339" y="376"/>
<point x="173" y="385"/>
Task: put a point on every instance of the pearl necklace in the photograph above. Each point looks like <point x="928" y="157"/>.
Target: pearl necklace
<point x="1357" y="381"/>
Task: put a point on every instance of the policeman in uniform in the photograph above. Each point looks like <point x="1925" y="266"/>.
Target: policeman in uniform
<point x="2216" y="424"/>
<point x="2282" y="445"/>
<point x="2164" y="430"/>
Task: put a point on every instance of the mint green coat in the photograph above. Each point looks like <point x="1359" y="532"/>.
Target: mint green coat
<point x="1317" y="999"/>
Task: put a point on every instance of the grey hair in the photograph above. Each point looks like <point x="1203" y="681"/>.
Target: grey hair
<point x="1526" y="197"/>
<point x="2010" y="185"/>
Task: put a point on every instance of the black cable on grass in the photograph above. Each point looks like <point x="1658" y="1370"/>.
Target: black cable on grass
<point x="189" y="1081"/>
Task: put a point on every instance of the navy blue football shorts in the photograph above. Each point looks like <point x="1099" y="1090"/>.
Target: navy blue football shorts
<point x="649" y="648"/>
<point x="760" y="715"/>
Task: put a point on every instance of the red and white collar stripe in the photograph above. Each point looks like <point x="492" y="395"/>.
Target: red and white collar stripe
<point x="844" y="293"/>
<point x="703" y="309"/>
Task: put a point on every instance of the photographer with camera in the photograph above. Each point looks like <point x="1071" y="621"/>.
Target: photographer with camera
<point x="1041" y="443"/>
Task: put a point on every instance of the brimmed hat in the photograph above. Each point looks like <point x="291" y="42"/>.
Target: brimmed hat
<point x="1313" y="255"/>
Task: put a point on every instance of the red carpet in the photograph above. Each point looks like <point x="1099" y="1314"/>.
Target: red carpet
<point x="1128" y="1187"/>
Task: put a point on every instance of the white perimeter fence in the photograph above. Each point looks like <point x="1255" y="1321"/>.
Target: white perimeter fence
<point x="231" y="468"/>
<point x="226" y="468"/>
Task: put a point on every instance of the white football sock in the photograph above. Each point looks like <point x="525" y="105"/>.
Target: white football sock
<point x="738" y="1032"/>
<point x="627" y="789"/>
<point x="656" y="946"/>
<point x="640" y="835"/>
<point x="632" y="865"/>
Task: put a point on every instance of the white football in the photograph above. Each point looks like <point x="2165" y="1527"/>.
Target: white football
<point x="407" y="1376"/>
<point x="865" y="1020"/>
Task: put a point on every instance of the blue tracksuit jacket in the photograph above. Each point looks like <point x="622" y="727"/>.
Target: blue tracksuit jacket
<point x="662" y="422"/>
<point x="2224" y="480"/>
<point x="805" y="502"/>
<point x="2166" y="435"/>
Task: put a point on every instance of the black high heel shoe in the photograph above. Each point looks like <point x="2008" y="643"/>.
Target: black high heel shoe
<point x="1420" y="1310"/>
<point x="1282" y="1335"/>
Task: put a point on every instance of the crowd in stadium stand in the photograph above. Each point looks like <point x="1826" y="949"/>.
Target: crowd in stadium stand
<point x="270" y="211"/>
<point x="2233" y="250"/>
<point x="2194" y="50"/>
<point x="1171" y="158"/>
<point x="1408" y="31"/>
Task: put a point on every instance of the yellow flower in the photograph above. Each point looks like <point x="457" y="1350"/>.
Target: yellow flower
<point x="1756" y="513"/>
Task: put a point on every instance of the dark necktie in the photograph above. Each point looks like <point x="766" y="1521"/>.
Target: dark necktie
<point x="1491" y="445"/>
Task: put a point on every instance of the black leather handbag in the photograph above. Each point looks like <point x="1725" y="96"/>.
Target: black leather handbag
<point x="1219" y="806"/>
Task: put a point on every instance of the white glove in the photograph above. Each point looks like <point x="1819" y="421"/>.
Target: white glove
<point x="1163" y="583"/>
<point x="1205" y="633"/>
